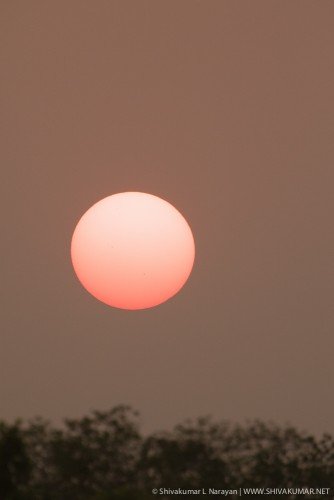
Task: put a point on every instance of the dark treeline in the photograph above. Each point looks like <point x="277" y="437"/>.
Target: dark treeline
<point x="103" y="456"/>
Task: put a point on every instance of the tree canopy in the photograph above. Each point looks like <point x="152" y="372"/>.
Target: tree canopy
<point x="104" y="456"/>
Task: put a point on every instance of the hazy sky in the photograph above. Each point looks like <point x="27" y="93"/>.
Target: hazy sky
<point x="226" y="110"/>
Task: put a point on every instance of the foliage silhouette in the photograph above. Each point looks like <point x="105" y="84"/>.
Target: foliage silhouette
<point x="103" y="456"/>
<point x="15" y="464"/>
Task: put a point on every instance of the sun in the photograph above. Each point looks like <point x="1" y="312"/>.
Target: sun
<point x="132" y="250"/>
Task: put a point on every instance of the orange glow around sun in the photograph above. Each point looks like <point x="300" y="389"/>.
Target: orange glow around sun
<point x="132" y="250"/>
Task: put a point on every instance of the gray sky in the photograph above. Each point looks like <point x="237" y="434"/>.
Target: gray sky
<point x="223" y="108"/>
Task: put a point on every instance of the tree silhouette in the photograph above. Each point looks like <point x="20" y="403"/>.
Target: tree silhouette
<point x="103" y="456"/>
<point x="89" y="456"/>
<point x="15" y="464"/>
